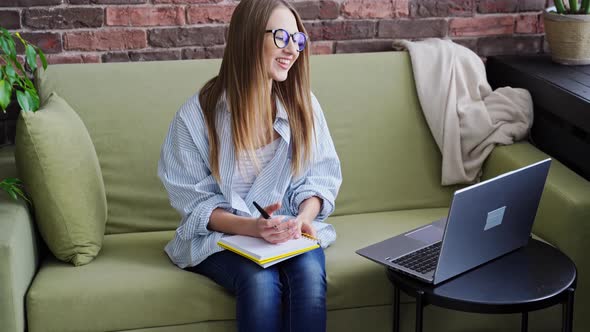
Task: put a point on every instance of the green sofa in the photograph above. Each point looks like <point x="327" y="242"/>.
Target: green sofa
<point x="391" y="169"/>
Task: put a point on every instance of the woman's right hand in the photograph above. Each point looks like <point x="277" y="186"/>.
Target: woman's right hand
<point x="275" y="230"/>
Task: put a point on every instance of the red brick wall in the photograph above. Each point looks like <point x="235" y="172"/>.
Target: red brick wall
<point x="140" y="30"/>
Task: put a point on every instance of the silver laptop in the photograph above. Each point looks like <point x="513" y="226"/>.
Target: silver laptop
<point x="485" y="221"/>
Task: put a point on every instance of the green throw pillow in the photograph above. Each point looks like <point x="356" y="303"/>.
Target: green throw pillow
<point x="58" y="164"/>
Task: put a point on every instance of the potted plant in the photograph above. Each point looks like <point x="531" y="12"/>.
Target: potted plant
<point x="17" y="91"/>
<point x="567" y="27"/>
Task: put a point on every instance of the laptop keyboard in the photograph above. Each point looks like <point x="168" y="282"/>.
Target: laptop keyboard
<point x="423" y="260"/>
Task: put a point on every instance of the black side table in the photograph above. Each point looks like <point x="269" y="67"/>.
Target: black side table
<point x="561" y="98"/>
<point x="531" y="278"/>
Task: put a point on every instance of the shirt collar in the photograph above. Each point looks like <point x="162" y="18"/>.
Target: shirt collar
<point x="281" y="111"/>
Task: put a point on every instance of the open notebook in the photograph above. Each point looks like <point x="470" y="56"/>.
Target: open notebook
<point x="266" y="254"/>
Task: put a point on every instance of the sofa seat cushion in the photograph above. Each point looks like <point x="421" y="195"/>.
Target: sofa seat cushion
<point x="132" y="284"/>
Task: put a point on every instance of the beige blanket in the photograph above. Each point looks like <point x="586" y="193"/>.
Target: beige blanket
<point x="466" y="117"/>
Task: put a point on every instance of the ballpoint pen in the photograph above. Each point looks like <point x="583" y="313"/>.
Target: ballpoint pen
<point x="263" y="213"/>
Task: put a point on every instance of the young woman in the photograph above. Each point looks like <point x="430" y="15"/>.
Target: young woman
<point x="256" y="133"/>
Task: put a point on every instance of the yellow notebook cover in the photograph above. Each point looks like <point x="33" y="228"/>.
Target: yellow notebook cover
<point x="264" y="253"/>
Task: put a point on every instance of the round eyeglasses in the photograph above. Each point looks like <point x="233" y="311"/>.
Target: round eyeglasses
<point x="281" y="38"/>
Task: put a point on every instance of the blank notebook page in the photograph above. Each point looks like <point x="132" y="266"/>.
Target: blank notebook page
<point x="261" y="250"/>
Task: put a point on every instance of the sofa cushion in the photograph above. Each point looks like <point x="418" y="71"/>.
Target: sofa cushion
<point x="58" y="164"/>
<point x="132" y="284"/>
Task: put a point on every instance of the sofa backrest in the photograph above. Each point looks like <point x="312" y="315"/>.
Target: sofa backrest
<point x="389" y="158"/>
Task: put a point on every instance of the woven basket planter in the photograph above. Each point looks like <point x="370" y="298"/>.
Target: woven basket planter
<point x="568" y="37"/>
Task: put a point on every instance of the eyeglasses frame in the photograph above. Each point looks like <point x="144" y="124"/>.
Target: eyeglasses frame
<point x="291" y="37"/>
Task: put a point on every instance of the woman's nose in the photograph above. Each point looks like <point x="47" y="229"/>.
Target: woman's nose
<point x="292" y="47"/>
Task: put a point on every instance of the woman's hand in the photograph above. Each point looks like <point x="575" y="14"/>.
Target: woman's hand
<point x="304" y="225"/>
<point x="307" y="228"/>
<point x="274" y="230"/>
<point x="308" y="211"/>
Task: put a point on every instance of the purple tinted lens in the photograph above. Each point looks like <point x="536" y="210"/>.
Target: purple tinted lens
<point x="281" y="38"/>
<point x="300" y="39"/>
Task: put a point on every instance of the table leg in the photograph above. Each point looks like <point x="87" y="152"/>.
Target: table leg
<point x="567" y="324"/>
<point x="419" y="310"/>
<point x="396" y="301"/>
<point x="524" y="322"/>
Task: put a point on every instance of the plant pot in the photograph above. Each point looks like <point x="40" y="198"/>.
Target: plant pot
<point x="8" y="123"/>
<point x="568" y="37"/>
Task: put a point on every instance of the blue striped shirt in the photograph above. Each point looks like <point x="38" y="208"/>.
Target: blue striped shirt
<point x="185" y="171"/>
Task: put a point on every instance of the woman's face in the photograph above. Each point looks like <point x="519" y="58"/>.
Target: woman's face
<point x="278" y="61"/>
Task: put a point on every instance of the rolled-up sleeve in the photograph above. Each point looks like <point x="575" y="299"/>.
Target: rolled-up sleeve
<point x="192" y="190"/>
<point x="323" y="177"/>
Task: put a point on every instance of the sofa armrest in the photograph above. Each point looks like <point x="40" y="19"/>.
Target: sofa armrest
<point x="563" y="218"/>
<point x="19" y="254"/>
<point x="564" y="212"/>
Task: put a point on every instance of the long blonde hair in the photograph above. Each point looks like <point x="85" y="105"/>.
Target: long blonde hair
<point x="244" y="79"/>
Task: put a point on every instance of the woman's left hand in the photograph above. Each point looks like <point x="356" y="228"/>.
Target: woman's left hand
<point x="304" y="226"/>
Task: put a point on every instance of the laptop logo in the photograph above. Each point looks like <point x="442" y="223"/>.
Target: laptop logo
<point x="494" y="218"/>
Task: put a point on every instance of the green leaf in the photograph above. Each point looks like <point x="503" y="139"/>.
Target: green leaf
<point x="31" y="56"/>
<point x="7" y="45"/>
<point x="11" y="48"/>
<point x="23" y="101"/>
<point x="28" y="84"/>
<point x="21" y="194"/>
<point x="573" y="6"/>
<point x="17" y="64"/>
<point x="559" y="6"/>
<point x="4" y="46"/>
<point x="5" y="92"/>
<point x="12" y="186"/>
<point x="17" y="34"/>
<point x="33" y="99"/>
<point x="10" y="192"/>
<point x="11" y="74"/>
<point x="13" y="181"/>
<point x="42" y="57"/>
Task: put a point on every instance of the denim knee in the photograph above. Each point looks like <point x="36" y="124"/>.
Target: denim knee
<point x="261" y="287"/>
<point x="306" y="275"/>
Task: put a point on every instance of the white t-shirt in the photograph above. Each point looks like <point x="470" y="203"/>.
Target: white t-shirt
<point x="246" y="174"/>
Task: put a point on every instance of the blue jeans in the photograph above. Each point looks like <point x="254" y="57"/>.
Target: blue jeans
<point x="288" y="296"/>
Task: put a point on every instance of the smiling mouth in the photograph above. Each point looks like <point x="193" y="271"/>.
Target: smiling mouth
<point x="283" y="63"/>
